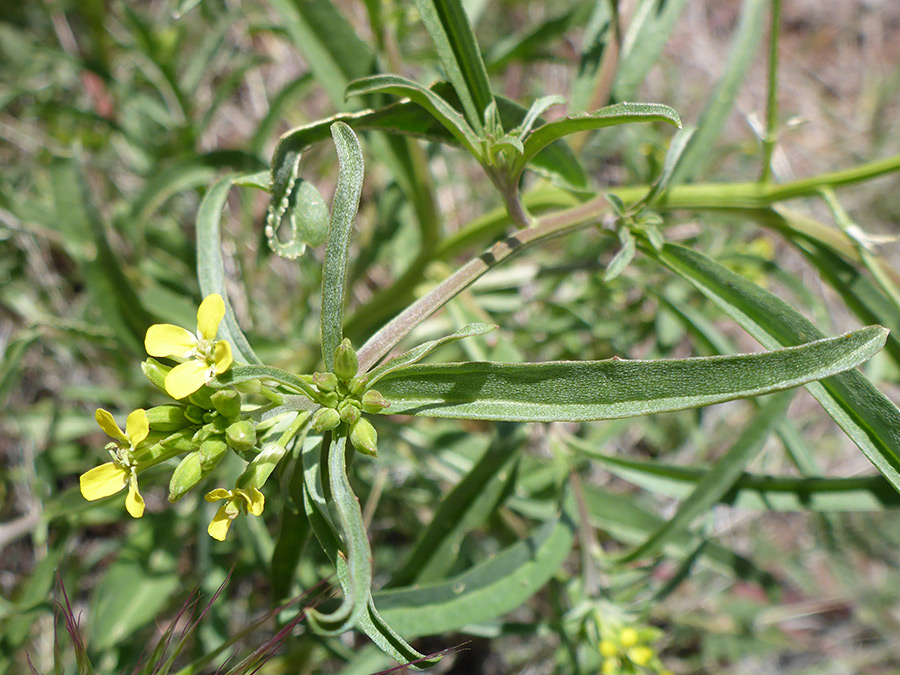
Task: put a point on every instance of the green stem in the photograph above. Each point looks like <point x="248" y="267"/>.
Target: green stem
<point x="772" y="105"/>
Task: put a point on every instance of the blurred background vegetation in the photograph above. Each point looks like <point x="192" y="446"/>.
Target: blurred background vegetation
<point x="115" y="117"/>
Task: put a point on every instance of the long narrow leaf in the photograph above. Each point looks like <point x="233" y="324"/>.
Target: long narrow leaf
<point x="866" y="415"/>
<point x="593" y="390"/>
<point x="343" y="212"/>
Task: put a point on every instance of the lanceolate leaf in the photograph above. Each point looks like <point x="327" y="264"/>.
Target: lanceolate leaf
<point x="458" y="51"/>
<point x="594" y="390"/>
<point x="620" y="113"/>
<point x="211" y="265"/>
<point x="488" y="590"/>
<point x="866" y="415"/>
<point x="343" y="212"/>
<point x="442" y="111"/>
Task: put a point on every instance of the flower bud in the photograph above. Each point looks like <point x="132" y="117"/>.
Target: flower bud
<point x="248" y="387"/>
<point x="227" y="402"/>
<point x="364" y="437"/>
<point x="203" y="397"/>
<point x="211" y="453"/>
<point x="167" y="418"/>
<point x="187" y="474"/>
<point x="349" y="412"/>
<point x="329" y="399"/>
<point x="357" y="384"/>
<point x="345" y="362"/>
<point x="155" y="372"/>
<point x="373" y="401"/>
<point x="325" y="419"/>
<point x="325" y="381"/>
<point x="241" y="435"/>
<point x="195" y="414"/>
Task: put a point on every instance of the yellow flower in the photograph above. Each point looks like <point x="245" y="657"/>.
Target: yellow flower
<point x="249" y="500"/>
<point x="206" y="356"/>
<point x="107" y="479"/>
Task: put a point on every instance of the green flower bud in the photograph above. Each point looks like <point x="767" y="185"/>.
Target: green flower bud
<point x="364" y="437"/>
<point x="329" y="399"/>
<point x="167" y="418"/>
<point x="204" y="433"/>
<point x="241" y="435"/>
<point x="187" y="474"/>
<point x="227" y="402"/>
<point x="325" y="419"/>
<point x="349" y="412"/>
<point x="203" y="397"/>
<point x="325" y="381"/>
<point x="373" y="401"/>
<point x="258" y="471"/>
<point x="212" y="451"/>
<point x="195" y="414"/>
<point x="357" y="384"/>
<point x="345" y="362"/>
<point x="155" y="372"/>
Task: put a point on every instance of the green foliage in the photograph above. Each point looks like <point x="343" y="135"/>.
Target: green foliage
<point x="422" y="408"/>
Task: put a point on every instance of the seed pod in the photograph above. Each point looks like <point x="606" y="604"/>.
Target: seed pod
<point x="364" y="437"/>
<point x="187" y="474"/>
<point x="325" y="419"/>
<point x="227" y="402"/>
<point x="373" y="401"/>
<point x="167" y="418"/>
<point x="241" y="435"/>
<point x="211" y="453"/>
<point x="346" y="364"/>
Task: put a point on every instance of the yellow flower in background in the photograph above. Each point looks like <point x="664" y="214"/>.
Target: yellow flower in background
<point x="107" y="479"/>
<point x="206" y="356"/>
<point x="249" y="500"/>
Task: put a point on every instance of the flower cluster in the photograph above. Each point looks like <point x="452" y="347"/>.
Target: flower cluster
<point x="628" y="650"/>
<point x="211" y="419"/>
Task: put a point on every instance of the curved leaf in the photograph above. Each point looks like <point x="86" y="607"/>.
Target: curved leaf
<point x="439" y="108"/>
<point x="488" y="590"/>
<point x="620" y="113"/>
<point x="594" y="390"/>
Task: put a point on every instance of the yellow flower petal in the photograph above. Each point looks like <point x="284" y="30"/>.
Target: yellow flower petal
<point x="134" y="503"/>
<point x="164" y="339"/>
<point x="210" y="315"/>
<point x="257" y="502"/>
<point x="137" y="426"/>
<point x="223" y="356"/>
<point x="186" y="378"/>
<point x="103" y="481"/>
<point x="217" y="494"/>
<point x="108" y="424"/>
<point x="220" y="523"/>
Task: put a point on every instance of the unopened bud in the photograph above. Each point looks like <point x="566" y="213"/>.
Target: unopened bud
<point x="373" y="401"/>
<point x="227" y="402"/>
<point x="211" y="453"/>
<point x="357" y="384"/>
<point x="187" y="474"/>
<point x="325" y="419"/>
<point x="195" y="414"/>
<point x="241" y="435"/>
<point x="203" y="397"/>
<point x="346" y="364"/>
<point x="167" y="418"/>
<point x="325" y="381"/>
<point x="364" y="437"/>
<point x="329" y="399"/>
<point x="155" y="372"/>
<point x="349" y="412"/>
<point x="248" y="387"/>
